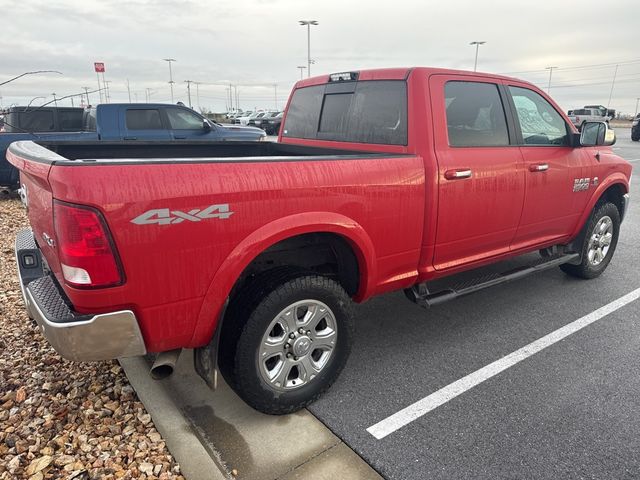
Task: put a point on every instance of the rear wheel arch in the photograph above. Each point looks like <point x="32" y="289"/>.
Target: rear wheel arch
<point x="347" y="237"/>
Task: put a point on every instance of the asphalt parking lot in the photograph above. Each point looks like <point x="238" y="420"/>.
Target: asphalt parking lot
<point x="570" y="410"/>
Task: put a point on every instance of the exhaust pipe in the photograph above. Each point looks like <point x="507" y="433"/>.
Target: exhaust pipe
<point x="164" y="364"/>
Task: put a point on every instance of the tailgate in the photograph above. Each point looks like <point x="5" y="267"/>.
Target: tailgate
<point x="34" y="163"/>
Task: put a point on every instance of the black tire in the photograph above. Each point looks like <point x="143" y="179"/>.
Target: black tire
<point x="254" y="289"/>
<point x="248" y="381"/>
<point x="635" y="137"/>
<point x="586" y="269"/>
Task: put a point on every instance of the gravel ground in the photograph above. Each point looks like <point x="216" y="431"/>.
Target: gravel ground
<point x="60" y="419"/>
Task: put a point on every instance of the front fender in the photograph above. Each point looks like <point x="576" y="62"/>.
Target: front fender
<point x="270" y="234"/>
<point x="613" y="179"/>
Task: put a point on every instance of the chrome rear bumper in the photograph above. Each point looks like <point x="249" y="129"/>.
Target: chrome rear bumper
<point x="73" y="335"/>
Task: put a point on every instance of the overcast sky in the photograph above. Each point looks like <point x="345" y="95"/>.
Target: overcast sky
<point x="250" y="42"/>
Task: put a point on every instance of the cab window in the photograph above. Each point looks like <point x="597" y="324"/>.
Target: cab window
<point x="181" y="119"/>
<point x="143" y="119"/>
<point x="475" y="115"/>
<point x="540" y="123"/>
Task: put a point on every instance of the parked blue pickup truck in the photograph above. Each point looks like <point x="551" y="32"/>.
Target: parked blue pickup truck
<point x="146" y="122"/>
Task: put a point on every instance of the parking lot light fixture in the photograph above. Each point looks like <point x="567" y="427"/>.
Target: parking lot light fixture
<point x="551" y="69"/>
<point x="477" y="44"/>
<point x="171" y="82"/>
<point x="308" y="24"/>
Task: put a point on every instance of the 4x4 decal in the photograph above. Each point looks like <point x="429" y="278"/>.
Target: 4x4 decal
<point x="166" y="216"/>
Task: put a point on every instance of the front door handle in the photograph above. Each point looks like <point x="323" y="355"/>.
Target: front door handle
<point x="457" y="174"/>
<point x="180" y="137"/>
<point x="539" y="167"/>
<point x="130" y="138"/>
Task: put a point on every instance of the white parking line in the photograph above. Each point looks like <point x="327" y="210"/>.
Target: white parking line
<point x="442" y="396"/>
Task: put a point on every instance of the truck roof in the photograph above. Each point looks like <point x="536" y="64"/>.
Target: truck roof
<point x="399" y="73"/>
<point x="139" y="105"/>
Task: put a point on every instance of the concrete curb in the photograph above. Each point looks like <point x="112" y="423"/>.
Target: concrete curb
<point x="215" y="435"/>
<point x="195" y="461"/>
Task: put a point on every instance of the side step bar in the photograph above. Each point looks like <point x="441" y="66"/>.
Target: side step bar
<point x="420" y="293"/>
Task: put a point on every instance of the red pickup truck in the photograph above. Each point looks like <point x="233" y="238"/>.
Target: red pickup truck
<point x="253" y="253"/>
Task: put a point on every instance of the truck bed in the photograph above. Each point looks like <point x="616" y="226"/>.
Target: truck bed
<point x="162" y="152"/>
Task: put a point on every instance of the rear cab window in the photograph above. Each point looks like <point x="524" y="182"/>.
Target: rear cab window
<point x="70" y="120"/>
<point x="369" y="111"/>
<point x="36" y="121"/>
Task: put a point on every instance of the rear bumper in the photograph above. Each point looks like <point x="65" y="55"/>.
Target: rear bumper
<point x="73" y="335"/>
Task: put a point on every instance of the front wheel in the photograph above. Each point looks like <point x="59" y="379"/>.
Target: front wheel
<point x="599" y="244"/>
<point x="293" y="345"/>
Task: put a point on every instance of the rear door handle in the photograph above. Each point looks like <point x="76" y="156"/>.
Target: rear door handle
<point x="180" y="137"/>
<point x="130" y="138"/>
<point x="539" y="167"/>
<point x="457" y="174"/>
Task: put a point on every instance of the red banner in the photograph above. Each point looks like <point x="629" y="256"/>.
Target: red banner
<point x="99" y="67"/>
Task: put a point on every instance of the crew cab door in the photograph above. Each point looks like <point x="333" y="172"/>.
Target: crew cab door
<point x="480" y="172"/>
<point x="556" y="173"/>
<point x="185" y="124"/>
<point x="144" y="123"/>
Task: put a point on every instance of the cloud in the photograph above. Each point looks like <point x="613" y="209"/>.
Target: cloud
<point x="260" y="42"/>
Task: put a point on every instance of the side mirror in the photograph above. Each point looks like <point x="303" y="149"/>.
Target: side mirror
<point x="206" y="126"/>
<point x="597" y="134"/>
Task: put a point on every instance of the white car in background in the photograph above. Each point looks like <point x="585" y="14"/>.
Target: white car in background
<point x="242" y="118"/>
<point x="245" y="120"/>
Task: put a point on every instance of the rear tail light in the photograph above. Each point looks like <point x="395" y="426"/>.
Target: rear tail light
<point x="86" y="251"/>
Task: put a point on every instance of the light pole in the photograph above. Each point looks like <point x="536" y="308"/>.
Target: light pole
<point x="107" y="92"/>
<point x="637" y="102"/>
<point x="308" y="23"/>
<point x="198" y="95"/>
<point x="301" y="67"/>
<point x="86" y="92"/>
<point x="171" y="82"/>
<point x="477" y="44"/>
<point x="613" y="83"/>
<point x="551" y="69"/>
<point x="54" y="99"/>
<point x="189" y="82"/>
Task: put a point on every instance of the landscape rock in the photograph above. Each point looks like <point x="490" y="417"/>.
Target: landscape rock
<point x="60" y="419"/>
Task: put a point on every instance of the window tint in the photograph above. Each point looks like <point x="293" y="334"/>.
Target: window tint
<point x="475" y="115"/>
<point x="335" y="112"/>
<point x="181" y="119"/>
<point x="304" y="112"/>
<point x="374" y="112"/>
<point x="540" y="123"/>
<point x="70" y="120"/>
<point x="36" y="121"/>
<point x="143" y="119"/>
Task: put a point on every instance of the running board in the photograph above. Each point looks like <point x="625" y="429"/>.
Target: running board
<point x="420" y="293"/>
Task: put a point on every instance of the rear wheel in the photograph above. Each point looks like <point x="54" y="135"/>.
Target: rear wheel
<point x="293" y="344"/>
<point x="635" y="136"/>
<point x="599" y="242"/>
